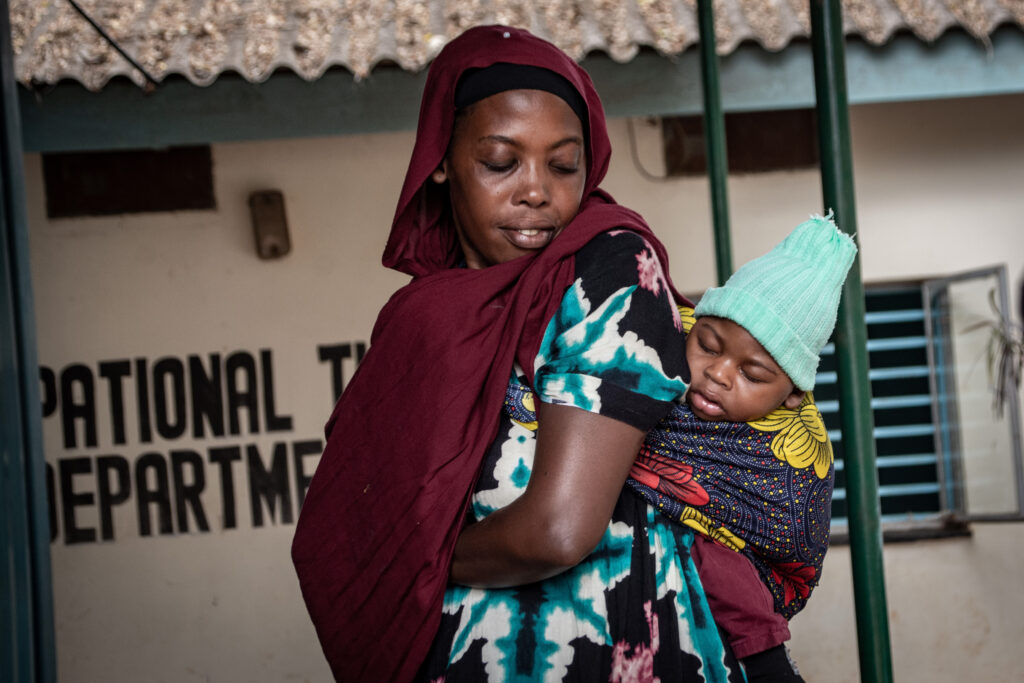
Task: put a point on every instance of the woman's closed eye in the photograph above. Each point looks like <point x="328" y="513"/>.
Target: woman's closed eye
<point x="567" y="160"/>
<point x="503" y="166"/>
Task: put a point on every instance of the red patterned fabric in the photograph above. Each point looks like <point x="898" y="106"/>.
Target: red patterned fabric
<point x="373" y="544"/>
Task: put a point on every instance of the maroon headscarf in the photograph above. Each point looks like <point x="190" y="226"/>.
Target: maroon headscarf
<point x="405" y="442"/>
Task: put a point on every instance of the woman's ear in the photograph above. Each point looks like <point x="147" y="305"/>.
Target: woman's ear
<point x="439" y="175"/>
<point x="794" y="399"/>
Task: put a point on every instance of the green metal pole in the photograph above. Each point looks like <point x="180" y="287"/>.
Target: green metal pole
<point x="851" y="351"/>
<point x="714" y="139"/>
<point x="27" y="651"/>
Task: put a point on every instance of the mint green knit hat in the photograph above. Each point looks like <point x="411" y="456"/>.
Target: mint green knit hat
<point x="788" y="299"/>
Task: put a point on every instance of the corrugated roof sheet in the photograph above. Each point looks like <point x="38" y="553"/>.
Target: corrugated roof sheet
<point x="201" y="39"/>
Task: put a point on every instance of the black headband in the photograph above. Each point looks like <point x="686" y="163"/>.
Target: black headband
<point x="476" y="84"/>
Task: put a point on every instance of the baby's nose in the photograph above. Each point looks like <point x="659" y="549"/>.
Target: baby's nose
<point x="717" y="373"/>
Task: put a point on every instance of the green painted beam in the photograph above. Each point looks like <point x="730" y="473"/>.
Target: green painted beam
<point x="122" y="115"/>
<point x="68" y="117"/>
<point x="753" y="79"/>
<point x="851" y="351"/>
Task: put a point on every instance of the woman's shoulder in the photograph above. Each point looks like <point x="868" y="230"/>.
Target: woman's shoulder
<point x="617" y="245"/>
<point x="623" y="258"/>
<point x="616" y="342"/>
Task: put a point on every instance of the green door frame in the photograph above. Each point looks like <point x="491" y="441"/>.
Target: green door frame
<point x="27" y="644"/>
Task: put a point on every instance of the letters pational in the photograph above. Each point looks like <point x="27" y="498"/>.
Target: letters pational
<point x="94" y="497"/>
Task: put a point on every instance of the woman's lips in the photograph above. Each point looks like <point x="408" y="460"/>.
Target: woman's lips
<point x="701" y="404"/>
<point x="530" y="237"/>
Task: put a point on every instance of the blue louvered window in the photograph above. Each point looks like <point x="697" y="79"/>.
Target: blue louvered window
<point x="929" y="468"/>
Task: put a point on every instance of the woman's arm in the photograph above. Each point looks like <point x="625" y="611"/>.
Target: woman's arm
<point x="579" y="469"/>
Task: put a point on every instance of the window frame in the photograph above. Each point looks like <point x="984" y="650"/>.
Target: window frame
<point x="951" y="518"/>
<point x="949" y="458"/>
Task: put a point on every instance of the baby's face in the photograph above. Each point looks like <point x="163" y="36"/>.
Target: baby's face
<point x="733" y="378"/>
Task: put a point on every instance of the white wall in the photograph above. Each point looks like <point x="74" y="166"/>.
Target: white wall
<point x="938" y="191"/>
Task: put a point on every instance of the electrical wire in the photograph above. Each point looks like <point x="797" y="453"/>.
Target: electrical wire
<point x="635" y="156"/>
<point x="151" y="82"/>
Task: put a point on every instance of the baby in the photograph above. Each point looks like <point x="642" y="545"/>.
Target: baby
<point x="745" y="459"/>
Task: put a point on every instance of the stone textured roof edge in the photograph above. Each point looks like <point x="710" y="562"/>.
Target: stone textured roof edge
<point x="201" y="39"/>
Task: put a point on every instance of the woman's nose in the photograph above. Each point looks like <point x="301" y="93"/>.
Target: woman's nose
<point x="533" y="187"/>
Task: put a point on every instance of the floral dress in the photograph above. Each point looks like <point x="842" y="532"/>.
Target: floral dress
<point x="634" y="610"/>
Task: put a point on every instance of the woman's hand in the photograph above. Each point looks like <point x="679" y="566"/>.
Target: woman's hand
<point x="580" y="466"/>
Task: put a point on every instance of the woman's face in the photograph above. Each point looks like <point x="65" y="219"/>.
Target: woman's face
<point x="515" y="168"/>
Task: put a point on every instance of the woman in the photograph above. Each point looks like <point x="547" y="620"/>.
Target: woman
<point x="526" y="275"/>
